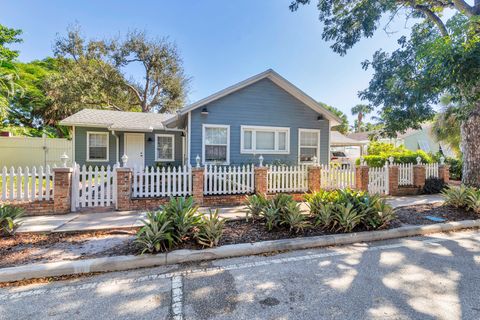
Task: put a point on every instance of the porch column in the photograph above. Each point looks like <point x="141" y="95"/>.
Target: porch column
<point x="62" y="190"/>
<point x="361" y="177"/>
<point x="314" y="178"/>
<point x="261" y="180"/>
<point x="198" y="176"/>
<point x="124" y="188"/>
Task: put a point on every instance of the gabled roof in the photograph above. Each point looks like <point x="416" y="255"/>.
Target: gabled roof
<point x="274" y="77"/>
<point x="338" y="139"/>
<point x="117" y="120"/>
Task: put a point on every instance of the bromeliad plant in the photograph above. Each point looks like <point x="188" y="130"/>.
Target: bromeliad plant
<point x="9" y="219"/>
<point x="156" y="235"/>
<point x="255" y="205"/>
<point x="457" y="196"/>
<point x="210" y="229"/>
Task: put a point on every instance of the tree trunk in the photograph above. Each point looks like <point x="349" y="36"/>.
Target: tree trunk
<point x="470" y="145"/>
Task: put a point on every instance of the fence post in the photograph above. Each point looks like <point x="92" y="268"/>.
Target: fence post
<point x="314" y="178"/>
<point x="361" y="177"/>
<point x="444" y="172"/>
<point x="124" y="188"/>
<point x="198" y="174"/>
<point x="62" y="190"/>
<point x="419" y="175"/>
<point x="261" y="180"/>
<point x="393" y="180"/>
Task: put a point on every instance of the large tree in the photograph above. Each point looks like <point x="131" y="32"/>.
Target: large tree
<point x="8" y="74"/>
<point x="441" y="56"/>
<point x="361" y="110"/>
<point x="344" y="126"/>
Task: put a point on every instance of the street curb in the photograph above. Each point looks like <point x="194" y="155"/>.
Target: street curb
<point x="122" y="263"/>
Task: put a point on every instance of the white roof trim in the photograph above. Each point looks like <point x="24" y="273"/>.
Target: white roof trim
<point x="278" y="80"/>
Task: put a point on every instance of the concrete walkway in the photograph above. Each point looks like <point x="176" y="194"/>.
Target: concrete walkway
<point x="128" y="219"/>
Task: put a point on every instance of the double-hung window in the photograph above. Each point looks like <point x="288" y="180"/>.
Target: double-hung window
<point x="97" y="146"/>
<point x="308" y="144"/>
<point x="267" y="140"/>
<point x="216" y="144"/>
<point x="164" y="147"/>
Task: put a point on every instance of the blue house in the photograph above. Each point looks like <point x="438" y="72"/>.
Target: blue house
<point x="262" y="115"/>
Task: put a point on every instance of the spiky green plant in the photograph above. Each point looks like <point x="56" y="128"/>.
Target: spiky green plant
<point x="9" y="219"/>
<point x="380" y="215"/>
<point x="210" y="230"/>
<point x="473" y="200"/>
<point x="325" y="216"/>
<point x="346" y="218"/>
<point x="456" y="196"/>
<point x="255" y="205"/>
<point x="294" y="218"/>
<point x="176" y="206"/>
<point x="156" y="234"/>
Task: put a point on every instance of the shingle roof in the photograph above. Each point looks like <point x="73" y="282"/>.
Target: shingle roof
<point x="339" y="139"/>
<point x="117" y="120"/>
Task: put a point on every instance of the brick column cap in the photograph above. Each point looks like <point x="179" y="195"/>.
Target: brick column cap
<point x="123" y="169"/>
<point x="198" y="169"/>
<point x="62" y="170"/>
<point x="261" y="168"/>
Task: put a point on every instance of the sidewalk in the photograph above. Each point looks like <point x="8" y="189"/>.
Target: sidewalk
<point x="128" y="219"/>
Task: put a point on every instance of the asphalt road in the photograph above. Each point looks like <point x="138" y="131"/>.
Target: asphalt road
<point x="434" y="277"/>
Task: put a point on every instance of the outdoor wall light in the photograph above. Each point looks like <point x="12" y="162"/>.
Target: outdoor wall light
<point x="320" y="118"/>
<point x="204" y="110"/>
<point x="149" y="139"/>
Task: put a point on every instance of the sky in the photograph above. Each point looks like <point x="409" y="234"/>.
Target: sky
<point x="221" y="42"/>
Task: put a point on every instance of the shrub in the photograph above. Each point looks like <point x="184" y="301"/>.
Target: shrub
<point x="473" y="200"/>
<point x="346" y="218"/>
<point x="176" y="206"/>
<point x="404" y="156"/>
<point x="316" y="200"/>
<point x="272" y="218"/>
<point x="156" y="234"/>
<point x="255" y="205"/>
<point x="210" y="229"/>
<point x="281" y="202"/>
<point x="183" y="216"/>
<point x="456" y="167"/>
<point x="380" y="216"/>
<point x="9" y="219"/>
<point x="456" y="196"/>
<point x="293" y="218"/>
<point x="325" y="216"/>
<point x="433" y="185"/>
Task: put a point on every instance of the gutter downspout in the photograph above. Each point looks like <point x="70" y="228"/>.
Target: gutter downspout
<point x="117" y="147"/>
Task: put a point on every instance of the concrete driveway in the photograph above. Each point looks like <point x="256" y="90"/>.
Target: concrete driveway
<point x="434" y="277"/>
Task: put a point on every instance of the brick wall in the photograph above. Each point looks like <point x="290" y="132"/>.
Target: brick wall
<point x="224" y="200"/>
<point x="261" y="180"/>
<point x="314" y="177"/>
<point x="361" y="178"/>
<point x="34" y="208"/>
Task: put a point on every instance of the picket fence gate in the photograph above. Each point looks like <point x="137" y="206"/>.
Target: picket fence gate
<point x="431" y="170"/>
<point x="152" y="182"/>
<point x="229" y="179"/>
<point x="378" y="180"/>
<point x="93" y="186"/>
<point x="287" y="178"/>
<point x="27" y="184"/>
<point x="405" y="174"/>
<point x="336" y="177"/>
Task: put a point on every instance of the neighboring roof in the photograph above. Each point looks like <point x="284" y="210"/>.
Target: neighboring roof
<point x="117" y="120"/>
<point x="409" y="132"/>
<point x="338" y="139"/>
<point x="360" y="136"/>
<point x="278" y="80"/>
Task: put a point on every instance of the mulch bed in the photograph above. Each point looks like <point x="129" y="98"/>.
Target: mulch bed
<point x="30" y="248"/>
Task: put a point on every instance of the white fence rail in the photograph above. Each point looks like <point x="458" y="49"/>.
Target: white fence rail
<point x="431" y="170"/>
<point x="27" y="184"/>
<point x="229" y="179"/>
<point x="153" y="182"/>
<point x="287" y="178"/>
<point x="405" y="174"/>
<point x="336" y="177"/>
<point x="378" y="180"/>
<point x="93" y="187"/>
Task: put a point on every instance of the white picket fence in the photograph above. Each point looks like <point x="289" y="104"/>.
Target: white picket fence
<point x="378" y="180"/>
<point x="229" y="179"/>
<point x="431" y="170"/>
<point x="93" y="186"/>
<point x="150" y="182"/>
<point x="287" y="178"/>
<point x="27" y="184"/>
<point x="405" y="174"/>
<point x="336" y="177"/>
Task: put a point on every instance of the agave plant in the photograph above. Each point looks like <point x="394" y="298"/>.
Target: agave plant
<point x="293" y="218"/>
<point x="184" y="223"/>
<point x="281" y="202"/>
<point x="9" y="219"/>
<point x="272" y="217"/>
<point x="473" y="200"/>
<point x="380" y="215"/>
<point x="325" y="216"/>
<point x="316" y="200"/>
<point x="210" y="229"/>
<point x="346" y="218"/>
<point x="156" y="234"/>
<point x="255" y="205"/>
<point x="177" y="206"/>
<point x="456" y="196"/>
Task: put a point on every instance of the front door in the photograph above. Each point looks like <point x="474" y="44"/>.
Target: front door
<point x="135" y="149"/>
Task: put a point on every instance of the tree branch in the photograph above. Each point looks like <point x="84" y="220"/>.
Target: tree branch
<point x="135" y="91"/>
<point x="433" y="17"/>
<point x="465" y="8"/>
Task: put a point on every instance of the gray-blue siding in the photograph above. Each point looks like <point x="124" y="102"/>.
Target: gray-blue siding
<point x="81" y="146"/>
<point x="260" y="104"/>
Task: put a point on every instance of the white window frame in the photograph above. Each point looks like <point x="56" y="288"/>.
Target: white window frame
<point x="206" y="126"/>
<point x="156" y="147"/>
<point x="88" y="146"/>
<point x="254" y="149"/>
<point x="300" y="130"/>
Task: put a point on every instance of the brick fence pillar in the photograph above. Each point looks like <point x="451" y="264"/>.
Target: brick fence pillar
<point x="197" y="185"/>
<point x="261" y="180"/>
<point x="62" y="190"/>
<point x="444" y="172"/>
<point x="393" y="180"/>
<point x="124" y="188"/>
<point x="314" y="178"/>
<point x="419" y="175"/>
<point x="361" y="178"/>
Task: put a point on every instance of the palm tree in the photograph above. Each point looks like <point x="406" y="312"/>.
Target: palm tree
<point x="361" y="110"/>
<point x="446" y="125"/>
<point x="8" y="86"/>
